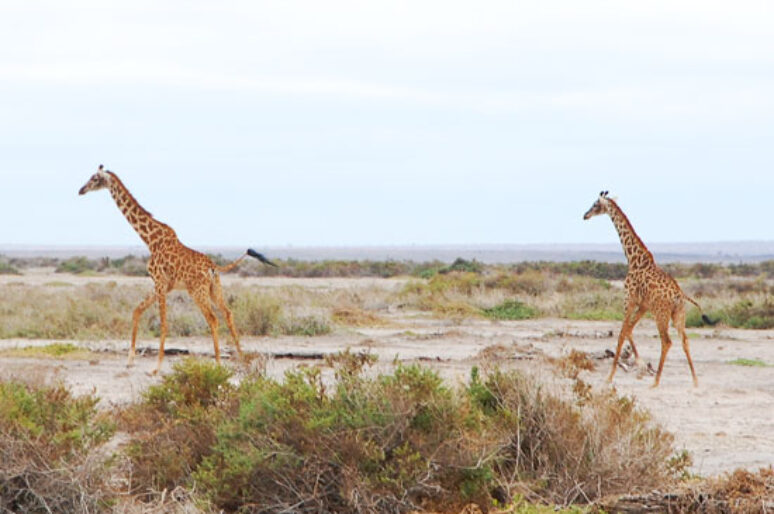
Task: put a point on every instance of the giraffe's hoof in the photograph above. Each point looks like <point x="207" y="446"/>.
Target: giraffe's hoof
<point x="130" y="364"/>
<point x="154" y="372"/>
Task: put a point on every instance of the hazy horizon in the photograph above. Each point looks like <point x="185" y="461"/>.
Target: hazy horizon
<point x="718" y="251"/>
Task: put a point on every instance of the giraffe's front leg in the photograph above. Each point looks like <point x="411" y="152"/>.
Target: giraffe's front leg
<point x="147" y="302"/>
<point x="622" y="336"/>
<point x="638" y="363"/>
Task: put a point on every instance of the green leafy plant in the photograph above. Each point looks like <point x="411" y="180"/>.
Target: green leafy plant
<point x="510" y="310"/>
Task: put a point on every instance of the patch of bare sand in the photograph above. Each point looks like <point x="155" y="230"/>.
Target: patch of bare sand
<point x="725" y="423"/>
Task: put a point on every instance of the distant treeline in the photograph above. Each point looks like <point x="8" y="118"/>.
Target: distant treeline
<point x="136" y="266"/>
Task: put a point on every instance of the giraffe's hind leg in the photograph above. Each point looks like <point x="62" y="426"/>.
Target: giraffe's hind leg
<point x="201" y="295"/>
<point x="216" y="293"/>
<point x="678" y="319"/>
<point x="662" y="322"/>
<point x="161" y="295"/>
<point x="147" y="302"/>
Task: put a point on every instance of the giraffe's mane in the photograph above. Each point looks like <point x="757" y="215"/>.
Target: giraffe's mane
<point x="129" y="194"/>
<point x="631" y="228"/>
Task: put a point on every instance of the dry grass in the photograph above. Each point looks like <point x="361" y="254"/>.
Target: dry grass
<point x="58" y="351"/>
<point x="739" y="492"/>
<point x="103" y="310"/>
<point x="356" y="317"/>
<point x="571" y="364"/>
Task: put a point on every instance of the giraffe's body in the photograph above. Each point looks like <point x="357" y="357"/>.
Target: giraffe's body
<point x="171" y="265"/>
<point x="648" y="288"/>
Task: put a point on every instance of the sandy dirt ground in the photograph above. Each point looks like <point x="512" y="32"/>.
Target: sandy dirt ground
<point x="725" y="423"/>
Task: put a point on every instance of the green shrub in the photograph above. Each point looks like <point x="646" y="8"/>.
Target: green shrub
<point x="6" y="268"/>
<point x="76" y="265"/>
<point x="173" y="428"/>
<point x="397" y="442"/>
<point x="587" y="268"/>
<point x="362" y="446"/>
<point x="510" y="310"/>
<point x="130" y="265"/>
<point x="463" y="266"/>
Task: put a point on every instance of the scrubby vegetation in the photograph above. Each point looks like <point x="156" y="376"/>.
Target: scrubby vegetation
<point x="104" y="310"/>
<point x="734" y="296"/>
<point x="334" y="439"/>
<point x="345" y="439"/>
<point x="47" y="443"/>
<point x="6" y="268"/>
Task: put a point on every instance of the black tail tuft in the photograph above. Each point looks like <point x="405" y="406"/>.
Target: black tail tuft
<point x="708" y="321"/>
<point x="260" y="257"/>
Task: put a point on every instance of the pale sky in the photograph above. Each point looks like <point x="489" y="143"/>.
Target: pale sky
<point x="378" y="123"/>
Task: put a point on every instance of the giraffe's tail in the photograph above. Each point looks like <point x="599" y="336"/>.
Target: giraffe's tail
<point x="252" y="253"/>
<point x="260" y="257"/>
<point x="706" y="319"/>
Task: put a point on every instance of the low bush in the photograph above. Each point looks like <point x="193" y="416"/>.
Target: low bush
<point x="257" y="314"/>
<point x="46" y="435"/>
<point x="586" y="268"/>
<point x="565" y="452"/>
<point x="756" y="312"/>
<point x="464" y="266"/>
<point x="510" y="310"/>
<point x="174" y="426"/>
<point x="76" y="265"/>
<point x="6" y="268"/>
<point x="394" y="442"/>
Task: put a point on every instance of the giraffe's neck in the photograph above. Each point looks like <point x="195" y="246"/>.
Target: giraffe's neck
<point x="141" y="220"/>
<point x="637" y="254"/>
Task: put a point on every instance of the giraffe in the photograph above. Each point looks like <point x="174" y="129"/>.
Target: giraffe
<point x="648" y="288"/>
<point x="171" y="265"/>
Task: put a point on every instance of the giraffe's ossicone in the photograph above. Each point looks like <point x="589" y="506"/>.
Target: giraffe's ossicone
<point x="171" y="265"/>
<point x="648" y="288"/>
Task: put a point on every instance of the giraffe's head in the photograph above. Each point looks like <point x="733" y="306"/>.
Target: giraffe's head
<point x="99" y="180"/>
<point x="599" y="207"/>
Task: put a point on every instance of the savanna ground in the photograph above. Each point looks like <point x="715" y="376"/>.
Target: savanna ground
<point x="550" y="323"/>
